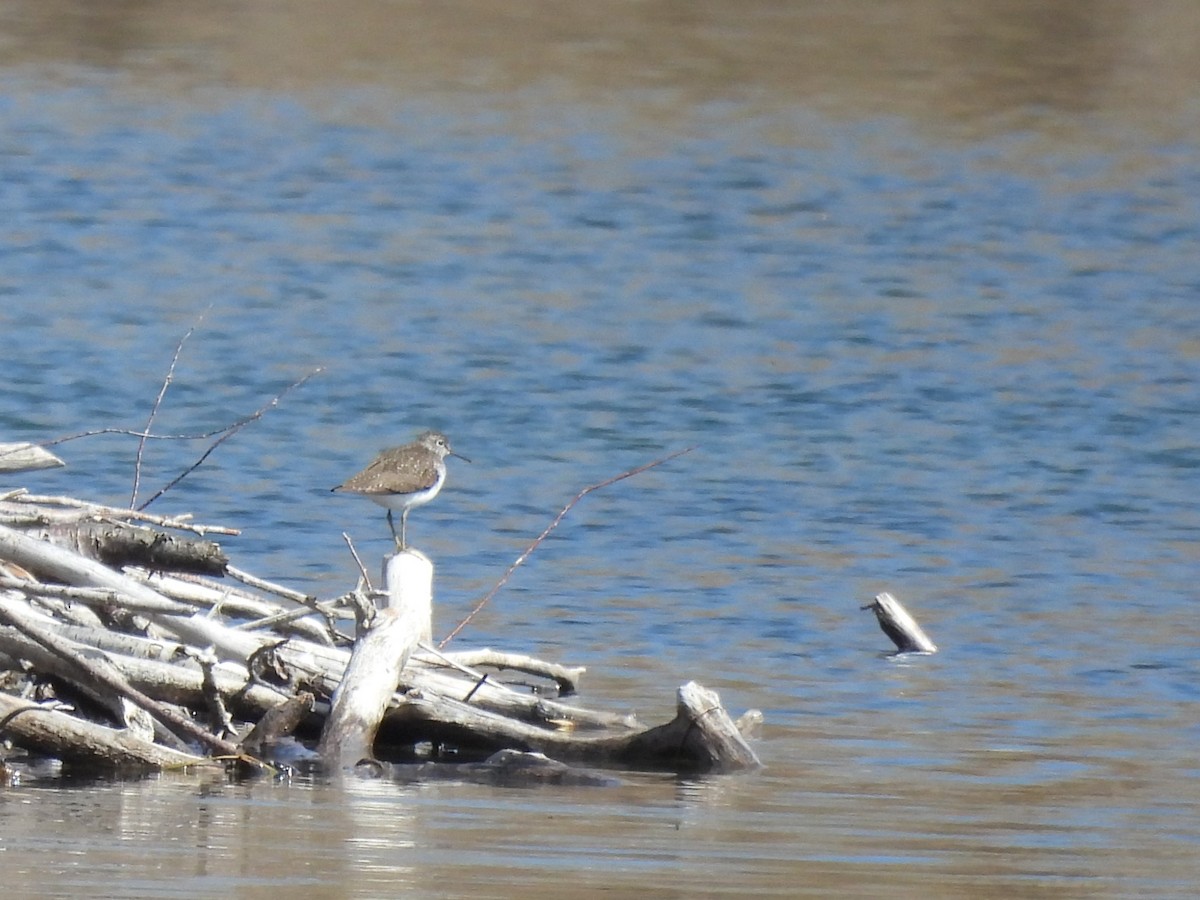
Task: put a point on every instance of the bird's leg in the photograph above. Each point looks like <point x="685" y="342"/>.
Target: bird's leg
<point x="392" y="526"/>
<point x="404" y="528"/>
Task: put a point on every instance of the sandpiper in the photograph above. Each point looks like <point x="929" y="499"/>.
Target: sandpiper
<point x="404" y="477"/>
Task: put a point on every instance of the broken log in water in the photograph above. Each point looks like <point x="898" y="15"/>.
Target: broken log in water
<point x="178" y="649"/>
<point x="898" y="625"/>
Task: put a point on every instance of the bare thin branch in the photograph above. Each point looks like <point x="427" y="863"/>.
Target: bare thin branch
<point x="366" y="579"/>
<point x="549" y="528"/>
<point x="162" y="392"/>
<point x="194" y="436"/>
<point x="229" y="432"/>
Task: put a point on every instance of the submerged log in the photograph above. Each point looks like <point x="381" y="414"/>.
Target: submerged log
<point x="504" y="768"/>
<point x="701" y="737"/>
<point x="898" y="625"/>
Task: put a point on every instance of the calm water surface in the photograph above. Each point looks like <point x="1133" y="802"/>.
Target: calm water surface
<point x="922" y="292"/>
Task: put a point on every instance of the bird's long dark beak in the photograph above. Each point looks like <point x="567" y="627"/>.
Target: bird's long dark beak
<point x="459" y="456"/>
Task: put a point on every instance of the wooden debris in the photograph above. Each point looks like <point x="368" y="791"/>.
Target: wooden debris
<point x="20" y="506"/>
<point x="26" y="458"/>
<point x="504" y="768"/>
<point x="277" y="723"/>
<point x="898" y="625"/>
<point x="372" y="676"/>
<point x="179" y="662"/>
<point x="119" y="544"/>
<point x="51" y="732"/>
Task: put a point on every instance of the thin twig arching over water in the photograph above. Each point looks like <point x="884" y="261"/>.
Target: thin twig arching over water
<point x="549" y="528"/>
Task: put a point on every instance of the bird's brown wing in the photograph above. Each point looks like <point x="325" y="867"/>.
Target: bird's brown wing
<point x="390" y="476"/>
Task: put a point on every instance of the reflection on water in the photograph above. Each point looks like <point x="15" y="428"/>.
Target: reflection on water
<point x="918" y="280"/>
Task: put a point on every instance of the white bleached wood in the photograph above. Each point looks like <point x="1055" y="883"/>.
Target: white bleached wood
<point x="408" y="576"/>
<point x="72" y="569"/>
<point x="26" y="457"/>
<point x="68" y="738"/>
<point x="898" y="625"/>
<point x="379" y="656"/>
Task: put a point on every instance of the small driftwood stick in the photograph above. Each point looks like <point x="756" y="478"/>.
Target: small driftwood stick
<point x="268" y="587"/>
<point x="373" y="673"/>
<point x="101" y="598"/>
<point x="232" y="601"/>
<point x="492" y="695"/>
<point x="162" y="392"/>
<point x="546" y="533"/>
<point x="898" y="625"/>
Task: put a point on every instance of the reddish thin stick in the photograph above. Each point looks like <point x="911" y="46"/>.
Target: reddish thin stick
<point x="549" y="528"/>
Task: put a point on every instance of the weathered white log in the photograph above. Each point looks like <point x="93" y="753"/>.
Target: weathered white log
<point x="105" y="676"/>
<point x="701" y="737"/>
<point x="234" y="602"/>
<point x="27" y="457"/>
<point x="408" y="582"/>
<point x="166" y="682"/>
<point x="18" y="645"/>
<point x="101" y="598"/>
<point x="898" y="625"/>
<point x="121" y="545"/>
<point x="63" y="565"/>
<point x="57" y="734"/>
<point x="373" y="673"/>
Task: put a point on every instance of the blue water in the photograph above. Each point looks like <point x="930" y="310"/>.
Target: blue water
<point x="959" y="369"/>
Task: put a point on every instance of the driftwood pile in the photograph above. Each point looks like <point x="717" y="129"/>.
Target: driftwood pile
<point x="128" y="642"/>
